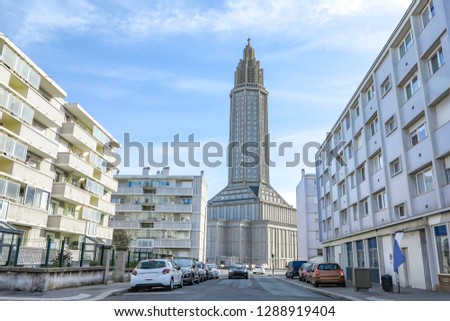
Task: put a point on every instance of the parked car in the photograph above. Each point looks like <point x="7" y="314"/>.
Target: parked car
<point x="237" y="271"/>
<point x="259" y="270"/>
<point x="302" y="271"/>
<point x="201" y="271"/>
<point x="328" y="273"/>
<point x="189" y="270"/>
<point x="292" y="268"/>
<point x="156" y="273"/>
<point x="309" y="272"/>
<point x="214" y="271"/>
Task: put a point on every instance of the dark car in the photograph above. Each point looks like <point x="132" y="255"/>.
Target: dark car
<point x="292" y="268"/>
<point x="201" y="271"/>
<point x="189" y="269"/>
<point x="328" y="273"/>
<point x="302" y="271"/>
<point x="237" y="271"/>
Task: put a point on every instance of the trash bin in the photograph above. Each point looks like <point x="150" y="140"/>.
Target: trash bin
<point x="386" y="283"/>
<point x="361" y="279"/>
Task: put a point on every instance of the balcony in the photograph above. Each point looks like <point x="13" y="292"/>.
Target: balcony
<point x="129" y="190"/>
<point x="177" y="191"/>
<point x="38" y="143"/>
<point x="125" y="225"/>
<point x="77" y="136"/>
<point x="25" y="173"/>
<point x="27" y="216"/>
<point x="173" y="208"/>
<point x="70" y="162"/>
<point x="174" y="226"/>
<point x="68" y="193"/>
<point x="128" y="207"/>
<point x="105" y="206"/>
<point x="171" y="243"/>
<point x="59" y="223"/>
<point x="45" y="112"/>
<point x="109" y="182"/>
<point x="104" y="232"/>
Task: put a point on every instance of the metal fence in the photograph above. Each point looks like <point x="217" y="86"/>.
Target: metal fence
<point x="51" y="253"/>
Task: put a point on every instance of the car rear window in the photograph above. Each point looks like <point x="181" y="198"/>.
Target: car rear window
<point x="328" y="266"/>
<point x="151" y="265"/>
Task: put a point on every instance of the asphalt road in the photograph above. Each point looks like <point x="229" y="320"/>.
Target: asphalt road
<point x="256" y="288"/>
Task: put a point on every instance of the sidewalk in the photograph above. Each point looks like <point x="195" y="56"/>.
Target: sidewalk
<point x="99" y="292"/>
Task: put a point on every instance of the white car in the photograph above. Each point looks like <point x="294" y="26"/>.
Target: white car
<point x="156" y="273"/>
<point x="259" y="270"/>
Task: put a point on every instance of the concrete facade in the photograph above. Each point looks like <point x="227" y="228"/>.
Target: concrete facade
<point x="164" y="214"/>
<point x="385" y="166"/>
<point x="248" y="221"/>
<point x="309" y="246"/>
<point x="56" y="176"/>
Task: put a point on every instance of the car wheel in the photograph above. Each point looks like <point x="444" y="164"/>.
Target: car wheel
<point x="180" y="286"/>
<point x="133" y="289"/>
<point x="170" y="287"/>
<point x="315" y="284"/>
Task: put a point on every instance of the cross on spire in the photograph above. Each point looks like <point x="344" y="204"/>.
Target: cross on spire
<point x="248" y="40"/>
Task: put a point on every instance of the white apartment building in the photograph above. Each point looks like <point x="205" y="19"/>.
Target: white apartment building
<point x="385" y="165"/>
<point x="55" y="181"/>
<point x="309" y="246"/>
<point x="164" y="214"/>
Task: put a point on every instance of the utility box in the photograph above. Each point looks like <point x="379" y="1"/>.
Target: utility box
<point x="361" y="279"/>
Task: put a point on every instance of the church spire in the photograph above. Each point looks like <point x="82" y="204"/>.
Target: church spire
<point x="248" y="71"/>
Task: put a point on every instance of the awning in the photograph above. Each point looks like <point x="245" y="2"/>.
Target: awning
<point x="8" y="228"/>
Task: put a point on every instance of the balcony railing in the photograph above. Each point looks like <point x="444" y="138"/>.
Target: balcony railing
<point x="104" y="232"/>
<point x="76" y="135"/>
<point x="25" y="173"/>
<point x="125" y="225"/>
<point x="179" y="191"/>
<point x="106" y="207"/>
<point x="129" y="190"/>
<point x="172" y="243"/>
<point x="70" y="162"/>
<point x="67" y="192"/>
<point x="66" y="224"/>
<point x="173" y="208"/>
<point x="109" y="182"/>
<point x="26" y="216"/>
<point x="175" y="226"/>
<point x="128" y="208"/>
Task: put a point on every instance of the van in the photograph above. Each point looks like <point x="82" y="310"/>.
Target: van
<point x="292" y="268"/>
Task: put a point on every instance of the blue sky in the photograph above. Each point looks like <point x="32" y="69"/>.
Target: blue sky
<point x="157" y="68"/>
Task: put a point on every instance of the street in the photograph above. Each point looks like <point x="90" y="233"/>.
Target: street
<point x="256" y="288"/>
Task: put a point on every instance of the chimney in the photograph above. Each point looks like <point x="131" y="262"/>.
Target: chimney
<point x="165" y="171"/>
<point x="146" y="171"/>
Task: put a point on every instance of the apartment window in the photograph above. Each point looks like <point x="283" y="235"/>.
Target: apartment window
<point x="373" y="252"/>
<point x="360" y="253"/>
<point x="328" y="224"/>
<point x="390" y="125"/>
<point x="3" y="210"/>
<point x="355" y="212"/>
<point x="350" y="150"/>
<point x="349" y="254"/>
<point x="381" y="200"/>
<point x="335" y="206"/>
<point x="347" y="122"/>
<point x="377" y="162"/>
<point x="36" y="197"/>
<point x="333" y="180"/>
<point x="411" y="87"/>
<point x="352" y="180"/>
<point x="362" y="173"/>
<point x="386" y="86"/>
<point x="424" y="181"/>
<point x="399" y="211"/>
<point x="447" y="168"/>
<point x="358" y="141"/>
<point x="418" y="134"/>
<point x="427" y="14"/>
<point x="370" y="92"/>
<point x="436" y="61"/>
<point x="355" y="112"/>
<point x="405" y="45"/>
<point x="342" y="188"/>
<point x="343" y="217"/>
<point x="364" y="208"/>
<point x="395" y="167"/>
<point x="373" y="126"/>
<point x="9" y="189"/>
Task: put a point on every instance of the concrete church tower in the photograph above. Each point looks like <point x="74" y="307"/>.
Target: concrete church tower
<point x="248" y="221"/>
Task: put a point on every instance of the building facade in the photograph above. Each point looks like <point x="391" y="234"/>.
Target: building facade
<point x="309" y="246"/>
<point x="56" y="176"/>
<point x="385" y="165"/>
<point x="248" y="221"/>
<point x="164" y="214"/>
